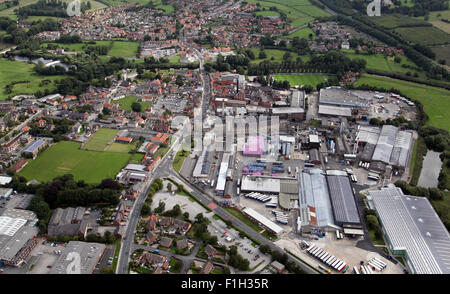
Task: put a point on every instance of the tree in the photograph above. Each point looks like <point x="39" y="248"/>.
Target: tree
<point x="136" y="107"/>
<point x="145" y="209"/>
<point x="169" y="187"/>
<point x="262" y="55"/>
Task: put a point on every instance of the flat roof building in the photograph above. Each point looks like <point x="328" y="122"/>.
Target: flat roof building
<point x="335" y="110"/>
<point x="263" y="221"/>
<point x="343" y="201"/>
<point x="90" y="254"/>
<point x="260" y="184"/>
<point x="338" y="96"/>
<point x="413" y="229"/>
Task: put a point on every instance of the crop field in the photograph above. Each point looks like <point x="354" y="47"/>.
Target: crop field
<point x="14" y="71"/>
<point x="441" y="25"/>
<point x="442" y="52"/>
<point x="100" y="139"/>
<point x="424" y="35"/>
<point x="303" y="33"/>
<point x="306" y="79"/>
<point x="391" y="21"/>
<point x="435" y="100"/>
<point x="66" y="158"/>
<point x="125" y="103"/>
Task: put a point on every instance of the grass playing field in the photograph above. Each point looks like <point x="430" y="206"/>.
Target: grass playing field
<point x="14" y="71"/>
<point x="298" y="80"/>
<point x="125" y="103"/>
<point x="66" y="158"/>
<point x="436" y="101"/>
<point x="100" y="139"/>
<point x="119" y="147"/>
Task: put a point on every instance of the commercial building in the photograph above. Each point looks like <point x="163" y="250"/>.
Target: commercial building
<point x="89" y="255"/>
<point x="222" y="177"/>
<point x="413" y="230"/>
<point x="263" y="221"/>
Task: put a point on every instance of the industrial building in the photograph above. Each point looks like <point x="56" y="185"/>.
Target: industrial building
<point x="315" y="210"/>
<point x="288" y="197"/>
<point x="222" y="177"/>
<point x="67" y="222"/>
<point x="17" y="236"/>
<point x="337" y="96"/>
<point x="203" y="166"/>
<point x="413" y="230"/>
<point x="343" y="202"/>
<point x="260" y="184"/>
<point x="263" y="221"/>
<point x="89" y="255"/>
<point x="330" y="110"/>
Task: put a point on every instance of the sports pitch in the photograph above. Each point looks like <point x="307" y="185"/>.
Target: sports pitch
<point x="66" y="158"/>
<point x="100" y="140"/>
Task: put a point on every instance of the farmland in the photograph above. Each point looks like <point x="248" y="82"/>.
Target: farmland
<point x="435" y="100"/>
<point x="125" y="103"/>
<point x="391" y="21"/>
<point x="424" y="35"/>
<point x="305" y="79"/>
<point x="66" y="158"/>
<point x="100" y="139"/>
<point x="14" y="71"/>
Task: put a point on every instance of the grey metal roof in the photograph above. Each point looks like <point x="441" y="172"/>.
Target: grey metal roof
<point x="340" y="96"/>
<point x="368" y="134"/>
<point x="412" y="225"/>
<point x="343" y="200"/>
<point x="90" y="254"/>
<point x="313" y="192"/>
<point x="385" y="144"/>
<point x="33" y="146"/>
<point x="402" y="146"/>
<point x="334" y="110"/>
<point x="11" y="245"/>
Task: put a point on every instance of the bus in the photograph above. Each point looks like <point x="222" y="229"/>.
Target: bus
<point x="310" y="248"/>
<point x="379" y="261"/>
<point x="341" y="267"/>
<point x="363" y="270"/>
<point x="375" y="266"/>
<point x="318" y="252"/>
<point x="355" y="270"/>
<point x="325" y="159"/>
<point x="336" y="263"/>
<point x="239" y="182"/>
<point x="289" y="169"/>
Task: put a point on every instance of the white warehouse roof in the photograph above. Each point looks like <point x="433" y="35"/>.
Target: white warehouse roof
<point x="263" y="220"/>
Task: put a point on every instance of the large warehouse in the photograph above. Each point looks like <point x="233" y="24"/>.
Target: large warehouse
<point x="263" y="221"/>
<point x="345" y="211"/>
<point x="413" y="230"/>
<point x="337" y="96"/>
<point x="315" y="210"/>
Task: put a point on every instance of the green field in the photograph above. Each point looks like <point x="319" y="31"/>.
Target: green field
<point x="124" y="49"/>
<point x="119" y="147"/>
<point x="10" y="12"/>
<point x="391" y="21"/>
<point x="295" y="16"/>
<point x="267" y="13"/>
<point x="125" y="103"/>
<point x="379" y="62"/>
<point x="298" y="80"/>
<point x="100" y="139"/>
<point x="436" y="101"/>
<point x="424" y="35"/>
<point x="66" y="158"/>
<point x="442" y="52"/>
<point x="13" y="71"/>
<point x="303" y="33"/>
<point x="276" y="54"/>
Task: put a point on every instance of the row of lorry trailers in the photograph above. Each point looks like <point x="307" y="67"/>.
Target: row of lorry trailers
<point x="328" y="259"/>
<point x="373" y="265"/>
